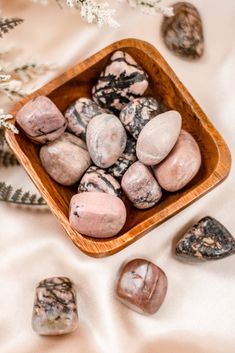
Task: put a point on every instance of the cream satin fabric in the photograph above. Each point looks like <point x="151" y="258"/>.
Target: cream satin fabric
<point x="198" y="314"/>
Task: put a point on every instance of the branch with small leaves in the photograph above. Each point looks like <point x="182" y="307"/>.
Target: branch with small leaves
<point x="18" y="196"/>
<point x="11" y="82"/>
<point x="7" y="24"/>
<point x="100" y="13"/>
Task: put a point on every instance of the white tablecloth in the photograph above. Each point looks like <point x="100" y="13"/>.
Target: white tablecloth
<point x="198" y="314"/>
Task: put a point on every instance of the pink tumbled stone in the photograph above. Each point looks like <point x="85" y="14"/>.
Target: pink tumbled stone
<point x="142" y="286"/>
<point x="181" y="165"/>
<point x="97" y="214"/>
<point x="140" y="186"/>
<point x="65" y="159"/>
<point x="158" y="137"/>
<point x="106" y="139"/>
<point x="41" y="120"/>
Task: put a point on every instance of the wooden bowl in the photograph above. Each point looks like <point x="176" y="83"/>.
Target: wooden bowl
<point x="77" y="82"/>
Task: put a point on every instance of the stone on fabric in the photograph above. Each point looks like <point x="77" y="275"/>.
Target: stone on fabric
<point x="206" y="240"/>
<point x="181" y="165"/>
<point x="41" y="120"/>
<point x="97" y="214"/>
<point x="142" y="286"/>
<point x="140" y="186"/>
<point x="99" y="180"/>
<point x="106" y="139"/>
<point x="55" y="310"/>
<point x="158" y="137"/>
<point x="136" y="114"/>
<point x="127" y="158"/>
<point x="79" y="115"/>
<point x="65" y="159"/>
<point x="183" y="32"/>
<point x="121" y="81"/>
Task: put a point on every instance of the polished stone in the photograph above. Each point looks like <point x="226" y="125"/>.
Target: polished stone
<point x="121" y="81"/>
<point x="79" y="115"/>
<point x="136" y="114"/>
<point x="97" y="214"/>
<point x="41" y="120"/>
<point x="140" y="186"/>
<point x="181" y="165"/>
<point x="183" y="32"/>
<point x="99" y="180"/>
<point x="106" y="139"/>
<point x="206" y="240"/>
<point x="65" y="159"/>
<point x="142" y="286"/>
<point x="55" y="310"/>
<point x="158" y="137"/>
<point x="127" y="158"/>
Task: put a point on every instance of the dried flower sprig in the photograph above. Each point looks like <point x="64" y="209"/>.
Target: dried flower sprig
<point x="102" y="14"/>
<point x="4" y="123"/>
<point x="6" y="24"/>
<point x="152" y="7"/>
<point x="29" y="71"/>
<point x="94" y="12"/>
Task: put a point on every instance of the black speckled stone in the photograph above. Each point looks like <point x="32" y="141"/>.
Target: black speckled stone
<point x="138" y="113"/>
<point x="206" y="240"/>
<point x="183" y="32"/>
<point x="99" y="180"/>
<point x="121" y="81"/>
<point x="128" y="157"/>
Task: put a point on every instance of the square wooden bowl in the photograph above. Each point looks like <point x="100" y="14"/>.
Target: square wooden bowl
<point x="164" y="84"/>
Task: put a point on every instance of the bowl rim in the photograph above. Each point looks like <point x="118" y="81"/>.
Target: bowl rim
<point x="104" y="247"/>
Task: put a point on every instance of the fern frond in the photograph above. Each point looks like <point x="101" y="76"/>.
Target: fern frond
<point x="8" y="159"/>
<point x="17" y="196"/>
<point x="7" y="24"/>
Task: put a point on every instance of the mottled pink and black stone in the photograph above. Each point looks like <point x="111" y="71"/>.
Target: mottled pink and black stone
<point x="206" y="240"/>
<point x="99" y="180"/>
<point x="128" y="157"/>
<point x="183" y="32"/>
<point x="79" y="115"/>
<point x="136" y="114"/>
<point x="41" y="120"/>
<point x="142" y="286"/>
<point x="121" y="81"/>
<point x="140" y="186"/>
<point x="55" y="310"/>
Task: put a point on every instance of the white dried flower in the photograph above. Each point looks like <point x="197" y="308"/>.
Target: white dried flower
<point x="13" y="89"/>
<point x="4" y="77"/>
<point x="152" y="7"/>
<point x="5" y="124"/>
<point x="94" y="12"/>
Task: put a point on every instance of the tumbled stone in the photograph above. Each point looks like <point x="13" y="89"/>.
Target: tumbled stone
<point x="99" y="180"/>
<point x="55" y="310"/>
<point x="41" y="120"/>
<point x="181" y="165"/>
<point x="127" y="158"/>
<point x="106" y="139"/>
<point x="140" y="186"/>
<point x="79" y="115"/>
<point x="136" y="114"/>
<point x="121" y="81"/>
<point x="142" y="286"/>
<point x="183" y="32"/>
<point x="65" y="159"/>
<point x="206" y="240"/>
<point x="97" y="214"/>
<point x="158" y="137"/>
